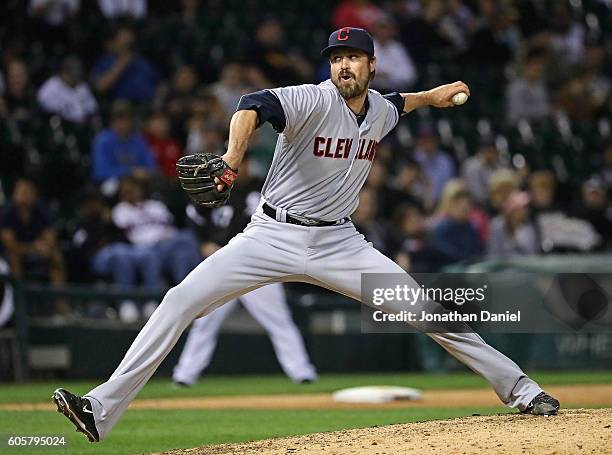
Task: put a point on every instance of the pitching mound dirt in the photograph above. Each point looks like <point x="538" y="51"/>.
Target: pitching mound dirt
<point x="573" y="431"/>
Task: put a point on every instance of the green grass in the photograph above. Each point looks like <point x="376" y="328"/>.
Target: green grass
<point x="275" y="384"/>
<point x="146" y="431"/>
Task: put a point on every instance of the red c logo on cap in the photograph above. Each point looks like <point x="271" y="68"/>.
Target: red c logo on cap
<point x="343" y="34"/>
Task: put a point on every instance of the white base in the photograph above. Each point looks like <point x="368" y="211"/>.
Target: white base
<point x="376" y="394"/>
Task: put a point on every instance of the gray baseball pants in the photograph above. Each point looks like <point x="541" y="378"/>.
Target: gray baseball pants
<point x="270" y="251"/>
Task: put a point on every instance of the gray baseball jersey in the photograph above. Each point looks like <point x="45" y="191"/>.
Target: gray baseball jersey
<point x="323" y="156"/>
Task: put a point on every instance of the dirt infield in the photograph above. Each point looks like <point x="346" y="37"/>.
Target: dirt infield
<point x="584" y="395"/>
<point x="575" y="395"/>
<point x="574" y="431"/>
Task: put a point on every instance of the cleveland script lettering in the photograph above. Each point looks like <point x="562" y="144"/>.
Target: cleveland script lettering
<point x="328" y="147"/>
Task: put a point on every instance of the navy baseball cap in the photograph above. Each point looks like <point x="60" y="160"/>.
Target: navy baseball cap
<point x="357" y="38"/>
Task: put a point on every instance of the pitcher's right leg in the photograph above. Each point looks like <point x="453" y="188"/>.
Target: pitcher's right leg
<point x="264" y="253"/>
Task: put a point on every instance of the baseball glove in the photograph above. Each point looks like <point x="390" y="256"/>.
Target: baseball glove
<point x="197" y="176"/>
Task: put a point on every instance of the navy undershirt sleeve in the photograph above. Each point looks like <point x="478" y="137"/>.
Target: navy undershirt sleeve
<point x="397" y="100"/>
<point x="267" y="106"/>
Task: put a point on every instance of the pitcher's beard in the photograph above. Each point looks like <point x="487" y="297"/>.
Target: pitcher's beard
<point x="352" y="89"/>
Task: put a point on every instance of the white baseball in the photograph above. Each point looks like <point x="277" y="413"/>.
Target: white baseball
<point x="459" y="98"/>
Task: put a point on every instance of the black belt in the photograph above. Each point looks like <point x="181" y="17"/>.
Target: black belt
<point x="271" y="212"/>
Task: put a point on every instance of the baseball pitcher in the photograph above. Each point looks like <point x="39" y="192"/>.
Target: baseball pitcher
<point x="302" y="229"/>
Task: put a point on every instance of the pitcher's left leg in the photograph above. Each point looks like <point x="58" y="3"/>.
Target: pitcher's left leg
<point x="346" y="255"/>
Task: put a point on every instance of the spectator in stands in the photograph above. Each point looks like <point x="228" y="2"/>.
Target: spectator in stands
<point x="356" y="13"/>
<point x="454" y="238"/>
<point x="496" y="39"/>
<point x="164" y="147"/>
<point x="18" y="96"/>
<point x="149" y="225"/>
<point x="205" y="109"/>
<point x="208" y="139"/>
<point x="527" y="96"/>
<point x="410" y="186"/>
<point x="542" y="188"/>
<point x="122" y="73"/>
<point x="191" y="11"/>
<point x="414" y="253"/>
<point x="568" y="33"/>
<point x="103" y="248"/>
<point x="558" y="232"/>
<point x="368" y="223"/>
<point x="477" y="170"/>
<point x="120" y="150"/>
<point x="270" y="55"/>
<point x="29" y="239"/>
<point x="117" y="9"/>
<point x="50" y="28"/>
<point x="395" y="70"/>
<point x="513" y="233"/>
<point x="437" y="165"/>
<point x="378" y="179"/>
<point x="456" y="23"/>
<point x="185" y="36"/>
<point x="501" y="184"/>
<point x="178" y="98"/>
<point x="230" y="87"/>
<point x="594" y="208"/>
<point x="479" y="218"/>
<point x="584" y="96"/>
<point x="597" y="60"/>
<point x="422" y="31"/>
<point x="67" y="95"/>
<point x="54" y="12"/>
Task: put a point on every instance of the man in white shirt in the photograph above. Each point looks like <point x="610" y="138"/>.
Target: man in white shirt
<point x="54" y="12"/>
<point x="527" y="96"/>
<point x="67" y="95"/>
<point x="394" y="68"/>
<point x="134" y="9"/>
<point x="149" y="224"/>
<point x="230" y="87"/>
<point x="477" y="169"/>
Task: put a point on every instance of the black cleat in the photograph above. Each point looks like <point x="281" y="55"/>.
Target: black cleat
<point x="543" y="405"/>
<point x="79" y="411"/>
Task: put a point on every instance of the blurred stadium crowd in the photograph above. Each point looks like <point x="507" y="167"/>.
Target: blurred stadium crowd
<point x="99" y="98"/>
